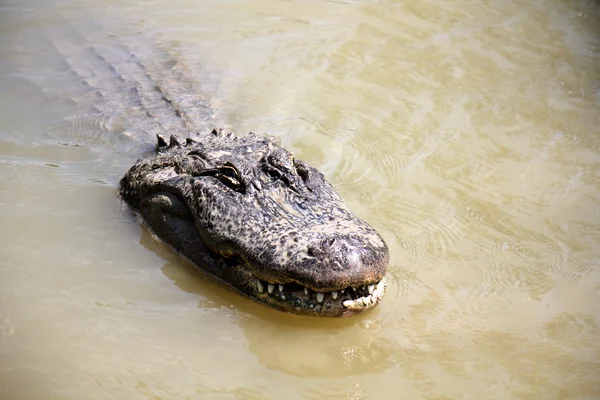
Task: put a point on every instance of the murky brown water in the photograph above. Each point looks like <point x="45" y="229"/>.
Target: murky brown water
<point x="467" y="132"/>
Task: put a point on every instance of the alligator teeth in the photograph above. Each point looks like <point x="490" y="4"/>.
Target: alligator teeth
<point x="362" y="301"/>
<point x="376" y="292"/>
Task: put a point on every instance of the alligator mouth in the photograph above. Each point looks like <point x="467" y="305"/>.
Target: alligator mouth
<point x="296" y="298"/>
<point x="299" y="299"/>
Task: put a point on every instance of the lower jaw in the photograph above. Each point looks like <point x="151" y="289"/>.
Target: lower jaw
<point x="301" y="303"/>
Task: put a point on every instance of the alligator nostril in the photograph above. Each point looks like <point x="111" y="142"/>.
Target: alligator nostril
<point x="331" y="249"/>
<point x="320" y="247"/>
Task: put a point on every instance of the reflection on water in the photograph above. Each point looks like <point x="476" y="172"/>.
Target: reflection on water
<point x="467" y="133"/>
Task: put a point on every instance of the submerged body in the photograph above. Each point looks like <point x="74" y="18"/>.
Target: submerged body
<point x="241" y="209"/>
<point x="246" y="212"/>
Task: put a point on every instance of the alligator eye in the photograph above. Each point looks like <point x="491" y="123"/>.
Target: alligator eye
<point x="273" y="173"/>
<point x="227" y="174"/>
<point x="230" y="176"/>
<point x="302" y="170"/>
<point x="229" y="170"/>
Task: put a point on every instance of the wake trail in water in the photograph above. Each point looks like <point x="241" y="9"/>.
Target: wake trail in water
<point x="114" y="91"/>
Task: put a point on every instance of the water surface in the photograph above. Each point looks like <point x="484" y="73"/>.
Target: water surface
<point x="466" y="132"/>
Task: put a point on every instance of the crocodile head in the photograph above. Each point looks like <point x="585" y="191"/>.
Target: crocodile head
<point x="243" y="210"/>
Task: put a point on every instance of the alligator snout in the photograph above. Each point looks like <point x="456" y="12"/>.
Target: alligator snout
<point x="334" y="275"/>
<point x="338" y="262"/>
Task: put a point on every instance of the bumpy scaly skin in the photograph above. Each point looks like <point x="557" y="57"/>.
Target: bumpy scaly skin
<point x="246" y="212"/>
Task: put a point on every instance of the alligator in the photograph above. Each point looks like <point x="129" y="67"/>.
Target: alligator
<point x="242" y="209"/>
<point x="270" y="226"/>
